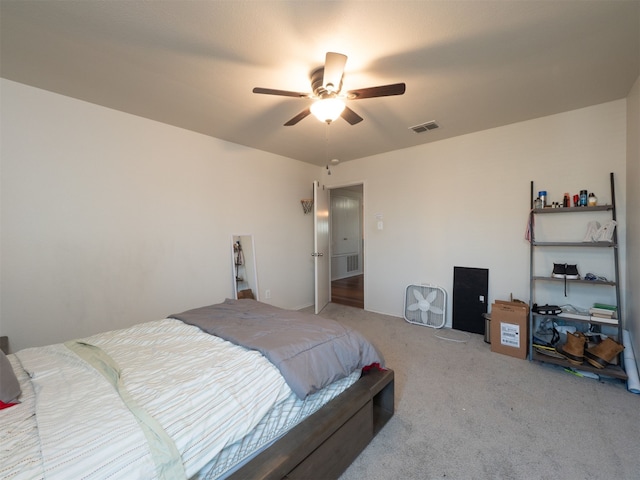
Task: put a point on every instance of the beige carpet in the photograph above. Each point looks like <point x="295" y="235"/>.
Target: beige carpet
<point x="463" y="412"/>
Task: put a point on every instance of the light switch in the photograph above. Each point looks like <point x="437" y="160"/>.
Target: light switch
<point x="380" y="225"/>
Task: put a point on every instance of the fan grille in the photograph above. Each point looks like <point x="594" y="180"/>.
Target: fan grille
<point x="425" y="305"/>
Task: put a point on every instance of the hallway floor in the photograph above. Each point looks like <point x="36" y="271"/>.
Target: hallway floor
<point x="348" y="291"/>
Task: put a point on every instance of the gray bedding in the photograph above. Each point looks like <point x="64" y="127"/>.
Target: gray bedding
<point x="310" y="351"/>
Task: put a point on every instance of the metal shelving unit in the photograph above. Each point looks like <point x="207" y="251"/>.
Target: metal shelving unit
<point x="616" y="371"/>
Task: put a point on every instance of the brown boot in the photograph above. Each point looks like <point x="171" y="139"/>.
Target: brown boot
<point x="573" y="349"/>
<point x="600" y="355"/>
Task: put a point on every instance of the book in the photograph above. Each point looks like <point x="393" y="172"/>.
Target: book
<point x="604" y="306"/>
<point x="607" y="320"/>
<point x="602" y="313"/>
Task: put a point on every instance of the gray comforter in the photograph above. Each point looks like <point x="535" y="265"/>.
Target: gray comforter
<point x="310" y="351"/>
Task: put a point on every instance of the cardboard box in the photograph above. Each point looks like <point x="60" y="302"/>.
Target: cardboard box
<point x="510" y="328"/>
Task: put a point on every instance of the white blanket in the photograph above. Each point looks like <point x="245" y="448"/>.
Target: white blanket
<point x="174" y="372"/>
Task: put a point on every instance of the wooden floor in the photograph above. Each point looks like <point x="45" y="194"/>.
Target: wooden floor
<point x="348" y="291"/>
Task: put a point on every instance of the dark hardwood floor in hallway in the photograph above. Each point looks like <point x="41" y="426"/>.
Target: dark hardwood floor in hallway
<point x="348" y="291"/>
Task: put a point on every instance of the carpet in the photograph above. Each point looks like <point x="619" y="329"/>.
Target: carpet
<point x="463" y="412"/>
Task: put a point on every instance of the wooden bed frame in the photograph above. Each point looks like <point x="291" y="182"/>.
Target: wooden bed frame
<point x="325" y="444"/>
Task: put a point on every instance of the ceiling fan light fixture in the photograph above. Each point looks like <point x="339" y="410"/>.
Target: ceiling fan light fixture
<point x="327" y="109"/>
<point x="326" y="85"/>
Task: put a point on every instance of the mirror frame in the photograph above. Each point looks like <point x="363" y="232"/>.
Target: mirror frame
<point x="250" y="277"/>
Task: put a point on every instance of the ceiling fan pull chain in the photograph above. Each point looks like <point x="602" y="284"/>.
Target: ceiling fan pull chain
<point x="326" y="148"/>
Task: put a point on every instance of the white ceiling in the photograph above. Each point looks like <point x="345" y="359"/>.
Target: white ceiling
<point x="469" y="65"/>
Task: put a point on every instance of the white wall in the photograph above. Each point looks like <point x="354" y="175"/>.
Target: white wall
<point x="110" y="219"/>
<point x="633" y="223"/>
<point x="465" y="201"/>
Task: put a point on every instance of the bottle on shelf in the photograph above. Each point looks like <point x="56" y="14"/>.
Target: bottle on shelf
<point x="583" y="198"/>
<point x="538" y="203"/>
<point x="542" y="195"/>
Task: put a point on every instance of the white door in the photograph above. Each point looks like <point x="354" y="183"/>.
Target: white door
<point x="321" y="246"/>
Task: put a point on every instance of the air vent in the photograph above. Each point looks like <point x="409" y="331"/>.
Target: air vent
<point x="425" y="127"/>
<point x="352" y="263"/>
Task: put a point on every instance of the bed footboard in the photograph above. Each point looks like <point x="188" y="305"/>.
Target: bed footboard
<point x="326" y="443"/>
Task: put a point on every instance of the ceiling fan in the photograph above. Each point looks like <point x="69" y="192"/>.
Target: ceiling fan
<point x="326" y="86"/>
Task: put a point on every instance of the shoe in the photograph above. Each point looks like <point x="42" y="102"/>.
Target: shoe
<point x="592" y="339"/>
<point x="571" y="272"/>
<point x="603" y="353"/>
<point x="559" y="270"/>
<point x="592" y="231"/>
<point x="573" y="349"/>
<point x="595" y="278"/>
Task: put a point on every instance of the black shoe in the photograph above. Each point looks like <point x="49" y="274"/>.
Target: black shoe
<point x="571" y="272"/>
<point x="559" y="270"/>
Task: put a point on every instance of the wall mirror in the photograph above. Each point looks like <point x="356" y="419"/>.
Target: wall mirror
<point x="245" y="277"/>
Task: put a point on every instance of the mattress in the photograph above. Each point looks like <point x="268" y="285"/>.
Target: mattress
<point x="276" y="423"/>
<point x="175" y="377"/>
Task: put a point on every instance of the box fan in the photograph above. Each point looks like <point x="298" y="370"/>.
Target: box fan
<point x="425" y="305"/>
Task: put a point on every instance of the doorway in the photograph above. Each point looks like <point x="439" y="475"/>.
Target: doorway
<point x="347" y="245"/>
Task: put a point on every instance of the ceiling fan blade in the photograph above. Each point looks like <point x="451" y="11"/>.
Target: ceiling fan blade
<point x="298" y="117"/>
<point x="381" y="91"/>
<point x="350" y="116"/>
<point x="283" y="93"/>
<point x="333" y="70"/>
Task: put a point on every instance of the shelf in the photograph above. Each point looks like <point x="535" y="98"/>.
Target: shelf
<point x="616" y="371"/>
<point x="609" y="371"/>
<point x="575" y="244"/>
<point x="597" y="208"/>
<point x="580" y="280"/>
<point x="586" y="319"/>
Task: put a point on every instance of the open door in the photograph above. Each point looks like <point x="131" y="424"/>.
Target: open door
<point x="321" y="246"/>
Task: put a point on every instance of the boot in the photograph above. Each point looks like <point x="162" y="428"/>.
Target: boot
<point x="573" y="349"/>
<point x="593" y="339"/>
<point x="600" y="355"/>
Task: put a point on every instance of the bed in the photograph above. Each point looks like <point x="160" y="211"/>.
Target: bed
<point x="223" y="391"/>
